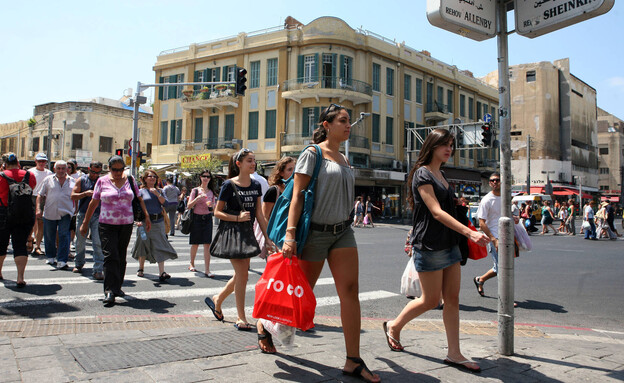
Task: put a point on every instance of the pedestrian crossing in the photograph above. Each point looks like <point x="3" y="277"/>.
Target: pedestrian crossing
<point x="48" y="287"/>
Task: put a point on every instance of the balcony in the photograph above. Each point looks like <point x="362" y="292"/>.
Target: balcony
<point x="358" y="92"/>
<point x="215" y="145"/>
<point x="209" y="97"/>
<point x="436" y="112"/>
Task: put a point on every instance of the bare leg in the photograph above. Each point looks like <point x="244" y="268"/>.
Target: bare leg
<point x="2" y="258"/>
<point x="161" y="267"/>
<point x="193" y="255"/>
<point x="20" y="262"/>
<point x="207" y="258"/>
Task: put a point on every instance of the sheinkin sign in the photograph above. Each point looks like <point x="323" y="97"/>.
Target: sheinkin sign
<point x="475" y="19"/>
<point x="538" y="17"/>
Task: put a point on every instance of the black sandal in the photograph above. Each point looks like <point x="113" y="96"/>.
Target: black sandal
<point x="479" y="284"/>
<point x="269" y="338"/>
<point x="164" y="276"/>
<point x="140" y="273"/>
<point x="357" y="372"/>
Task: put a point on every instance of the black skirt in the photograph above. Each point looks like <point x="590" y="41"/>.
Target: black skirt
<point x="201" y="230"/>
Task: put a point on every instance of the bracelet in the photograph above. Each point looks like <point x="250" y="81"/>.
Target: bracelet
<point x="291" y="228"/>
<point x="290" y="240"/>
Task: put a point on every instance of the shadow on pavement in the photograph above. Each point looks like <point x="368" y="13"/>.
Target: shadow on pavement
<point x="537" y="305"/>
<point x="21" y="308"/>
<point x="557" y="362"/>
<point x="158" y="306"/>
<point x="475" y="308"/>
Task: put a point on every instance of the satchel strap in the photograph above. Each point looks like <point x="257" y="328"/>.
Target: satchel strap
<point x="131" y="182"/>
<point x="238" y="198"/>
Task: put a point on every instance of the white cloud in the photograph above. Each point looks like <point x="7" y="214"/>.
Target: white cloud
<point x="616" y="82"/>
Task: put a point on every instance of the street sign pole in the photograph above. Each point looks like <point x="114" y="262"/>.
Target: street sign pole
<point x="505" y="224"/>
<point x="135" y="131"/>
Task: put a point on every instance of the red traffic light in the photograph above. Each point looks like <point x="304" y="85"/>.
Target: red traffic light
<point x="119" y="152"/>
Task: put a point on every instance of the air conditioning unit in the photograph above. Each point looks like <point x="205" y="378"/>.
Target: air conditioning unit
<point x="397" y="165"/>
<point x="31" y="153"/>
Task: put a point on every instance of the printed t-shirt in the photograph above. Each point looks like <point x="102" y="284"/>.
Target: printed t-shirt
<point x="115" y="203"/>
<point x="249" y="196"/>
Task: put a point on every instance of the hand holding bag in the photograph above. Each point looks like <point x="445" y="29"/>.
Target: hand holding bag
<point x="283" y="294"/>
<point x="186" y="221"/>
<point x="475" y="251"/>
<point x="524" y="241"/>
<point x="410" y="284"/>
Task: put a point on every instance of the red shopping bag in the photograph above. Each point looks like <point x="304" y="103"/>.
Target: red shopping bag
<point x="475" y="251"/>
<point x="283" y="294"/>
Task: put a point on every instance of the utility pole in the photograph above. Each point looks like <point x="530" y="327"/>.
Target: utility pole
<point x="49" y="149"/>
<point x="528" y="177"/>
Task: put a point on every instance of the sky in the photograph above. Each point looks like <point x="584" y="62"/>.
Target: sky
<point x="73" y="50"/>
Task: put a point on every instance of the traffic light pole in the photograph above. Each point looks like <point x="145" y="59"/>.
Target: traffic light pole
<point x="505" y="224"/>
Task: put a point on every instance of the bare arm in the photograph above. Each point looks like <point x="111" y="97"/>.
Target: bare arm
<point x="262" y="222"/>
<point x="90" y="209"/>
<point x="267" y="209"/>
<point x="222" y="215"/>
<point x="301" y="182"/>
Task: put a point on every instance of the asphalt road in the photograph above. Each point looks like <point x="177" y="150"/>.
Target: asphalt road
<point x="564" y="281"/>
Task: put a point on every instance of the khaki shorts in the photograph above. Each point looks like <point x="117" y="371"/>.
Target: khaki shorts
<point x="320" y="243"/>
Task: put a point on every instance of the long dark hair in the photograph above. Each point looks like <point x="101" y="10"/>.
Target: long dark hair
<point x="212" y="184"/>
<point x="435" y="139"/>
<point x="233" y="169"/>
<point x="275" y="178"/>
<point x="329" y="114"/>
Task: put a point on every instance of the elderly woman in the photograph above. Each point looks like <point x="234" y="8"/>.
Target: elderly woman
<point x="115" y="192"/>
<point x="155" y="247"/>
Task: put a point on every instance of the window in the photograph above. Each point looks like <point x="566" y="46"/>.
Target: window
<point x="199" y="130"/>
<point x="163" y="91"/>
<point x="148" y="149"/>
<point x="199" y="76"/>
<point x="309" y="68"/>
<point x="470" y="108"/>
<point x="106" y="144"/>
<point x="175" y="132"/>
<point x="253" y="126"/>
<point x="163" y="133"/>
<point x="407" y="87"/>
<point x="271" y="72"/>
<point x="440" y="98"/>
<point x="530" y="76"/>
<point x="310" y="117"/>
<point x="213" y="132"/>
<point x="389" y="130"/>
<point x="479" y="110"/>
<point x="376" y="77"/>
<point x="602" y="150"/>
<point x="35" y="144"/>
<point x="389" y="81"/>
<point x="604" y="170"/>
<point x="23" y="151"/>
<point x="76" y="141"/>
<point x="429" y="96"/>
<point x="604" y="187"/>
<point x="375" y="137"/>
<point x="419" y="97"/>
<point x="462" y="105"/>
<point x="254" y="76"/>
<point x="269" y="124"/>
<point x="449" y="100"/>
<point x="229" y="73"/>
<point x="45" y="143"/>
<point x="346" y="70"/>
<point x="229" y="127"/>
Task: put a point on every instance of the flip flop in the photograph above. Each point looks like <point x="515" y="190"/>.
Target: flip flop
<point x="192" y="269"/>
<point x="478" y="283"/>
<point x="357" y="372"/>
<point x="462" y="364"/>
<point x="398" y="348"/>
<point x="211" y="305"/>
<point x="242" y="326"/>
<point x="20" y="284"/>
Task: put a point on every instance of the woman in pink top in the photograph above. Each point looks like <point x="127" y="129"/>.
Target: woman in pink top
<point x="202" y="201"/>
<point x="115" y="194"/>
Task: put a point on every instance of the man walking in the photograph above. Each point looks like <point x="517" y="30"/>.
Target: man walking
<point x="40" y="172"/>
<point x="55" y="196"/>
<point x="489" y="213"/>
<point x="588" y="215"/>
<point x="171" y="195"/>
<point x="83" y="190"/>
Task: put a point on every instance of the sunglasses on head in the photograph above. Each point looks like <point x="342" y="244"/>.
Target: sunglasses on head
<point x="241" y="153"/>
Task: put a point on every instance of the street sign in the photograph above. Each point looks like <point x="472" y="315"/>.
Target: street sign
<point x="487" y="118"/>
<point x="84" y="158"/>
<point x="538" y="17"/>
<point x="475" y="19"/>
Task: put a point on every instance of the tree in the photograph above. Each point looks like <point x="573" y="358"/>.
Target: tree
<point x="194" y="167"/>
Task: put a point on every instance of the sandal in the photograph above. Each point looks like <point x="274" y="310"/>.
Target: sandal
<point x="140" y="273"/>
<point x="192" y="268"/>
<point x="479" y="285"/>
<point x="38" y="251"/>
<point x="164" y="276"/>
<point x="242" y="326"/>
<point x="357" y="372"/>
<point x="211" y="305"/>
<point x="462" y="364"/>
<point x="399" y="347"/>
<point x="266" y="336"/>
<point x="29" y="245"/>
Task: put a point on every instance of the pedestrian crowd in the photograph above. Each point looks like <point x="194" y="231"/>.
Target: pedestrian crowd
<point x="41" y="205"/>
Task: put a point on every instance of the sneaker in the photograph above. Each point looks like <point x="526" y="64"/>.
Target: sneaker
<point x="51" y="262"/>
<point x="62" y="266"/>
<point x="98" y="276"/>
<point x="77" y="269"/>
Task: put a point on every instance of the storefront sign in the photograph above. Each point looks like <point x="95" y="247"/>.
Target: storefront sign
<point x="538" y="17"/>
<point x="189" y="160"/>
<point x="83" y="158"/>
<point x="475" y="19"/>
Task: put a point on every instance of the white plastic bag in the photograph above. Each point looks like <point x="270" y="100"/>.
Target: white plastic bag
<point x="524" y="241"/>
<point x="410" y="284"/>
<point x="285" y="334"/>
<point x="586" y="225"/>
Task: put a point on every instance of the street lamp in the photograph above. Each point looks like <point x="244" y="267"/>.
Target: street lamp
<point x="548" y="189"/>
<point x="580" y="190"/>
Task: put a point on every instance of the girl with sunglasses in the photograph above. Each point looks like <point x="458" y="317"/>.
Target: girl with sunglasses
<point x="202" y="201"/>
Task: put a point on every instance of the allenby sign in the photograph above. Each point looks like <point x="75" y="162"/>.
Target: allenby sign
<point x="475" y="19"/>
<point x="538" y="17"/>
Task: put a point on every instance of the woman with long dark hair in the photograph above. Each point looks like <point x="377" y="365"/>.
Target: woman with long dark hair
<point x="239" y="185"/>
<point x="331" y="236"/>
<point x="202" y="201"/>
<point x="282" y="171"/>
<point x="435" y="250"/>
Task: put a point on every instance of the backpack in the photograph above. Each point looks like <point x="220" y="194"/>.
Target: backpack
<point x="20" y="209"/>
<point x="278" y="221"/>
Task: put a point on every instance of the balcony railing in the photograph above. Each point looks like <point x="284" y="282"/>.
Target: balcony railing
<point x="296" y="139"/>
<point x="359" y="142"/>
<point x="437" y="108"/>
<point x="208" y="143"/>
<point x="328" y="83"/>
<point x="209" y="93"/>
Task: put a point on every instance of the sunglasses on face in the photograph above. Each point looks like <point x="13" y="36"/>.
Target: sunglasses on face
<point x="116" y="169"/>
<point x="95" y="172"/>
<point x="151" y="176"/>
<point x="205" y="176"/>
<point x="495" y="180"/>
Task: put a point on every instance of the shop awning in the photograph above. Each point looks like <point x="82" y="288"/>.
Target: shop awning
<point x="463" y="176"/>
<point x="575" y="192"/>
<point x="537" y="190"/>
<point x="610" y="198"/>
<point x="562" y="192"/>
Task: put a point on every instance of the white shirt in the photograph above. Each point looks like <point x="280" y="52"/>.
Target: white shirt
<point x="264" y="184"/>
<point x="589" y="212"/>
<point x="76" y="175"/>
<point x="39" y="175"/>
<point x="58" y="201"/>
<point x="490" y="211"/>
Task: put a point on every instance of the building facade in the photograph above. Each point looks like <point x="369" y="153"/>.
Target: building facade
<point x="559" y="113"/>
<point x="85" y="130"/>
<point x="296" y="71"/>
<point x="610" y="155"/>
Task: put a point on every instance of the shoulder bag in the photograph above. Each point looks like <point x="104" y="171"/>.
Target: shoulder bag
<point x="186" y="222"/>
<point x="137" y="210"/>
<point x="235" y="240"/>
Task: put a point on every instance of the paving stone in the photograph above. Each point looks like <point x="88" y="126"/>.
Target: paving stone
<point x="5" y="340"/>
<point x="50" y="374"/>
<point x="179" y="372"/>
<point x="29" y="352"/>
<point x="130" y="376"/>
<point x="35" y="341"/>
<point x="36" y="363"/>
<point x="108" y="336"/>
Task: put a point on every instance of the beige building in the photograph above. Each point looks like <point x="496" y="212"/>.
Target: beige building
<point x="558" y="111"/>
<point x="610" y="154"/>
<point x="294" y="72"/>
<point x="85" y="130"/>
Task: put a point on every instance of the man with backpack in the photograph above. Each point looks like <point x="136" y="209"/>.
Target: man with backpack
<point x="17" y="215"/>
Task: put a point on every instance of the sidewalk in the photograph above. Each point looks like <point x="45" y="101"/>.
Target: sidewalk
<point x="162" y="348"/>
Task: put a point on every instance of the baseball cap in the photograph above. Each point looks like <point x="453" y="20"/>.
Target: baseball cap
<point x="41" y="157"/>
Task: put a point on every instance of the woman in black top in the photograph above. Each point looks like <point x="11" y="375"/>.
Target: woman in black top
<point x="434" y="246"/>
<point x="282" y="171"/>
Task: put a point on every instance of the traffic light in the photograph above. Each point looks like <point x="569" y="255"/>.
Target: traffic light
<point x="119" y="152"/>
<point x="487" y="134"/>
<point x="240" y="81"/>
<point x="140" y="158"/>
<point x="459" y="138"/>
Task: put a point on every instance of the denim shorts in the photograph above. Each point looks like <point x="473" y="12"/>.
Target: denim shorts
<point x="320" y="243"/>
<point x="494" y="253"/>
<point x="435" y="260"/>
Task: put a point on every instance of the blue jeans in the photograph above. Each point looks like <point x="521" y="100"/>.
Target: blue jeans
<point x="592" y="230"/>
<point x="81" y="243"/>
<point x="50" y="229"/>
